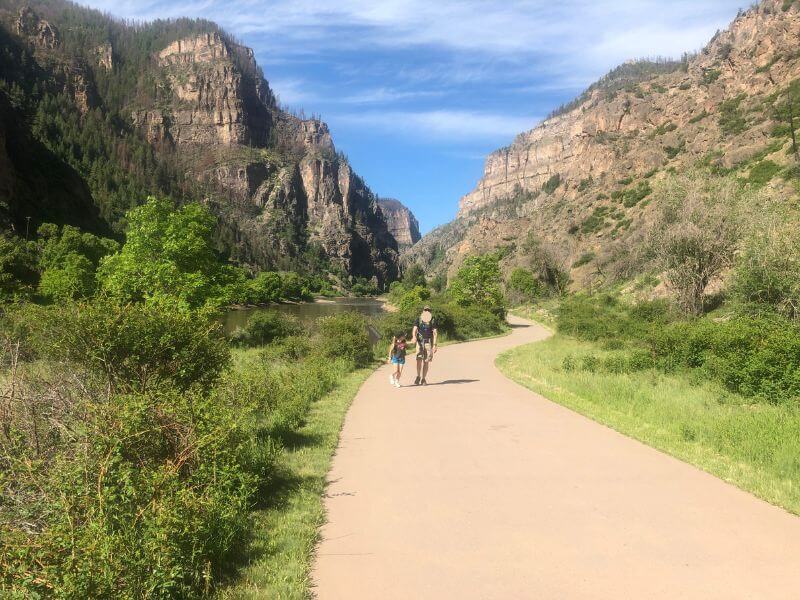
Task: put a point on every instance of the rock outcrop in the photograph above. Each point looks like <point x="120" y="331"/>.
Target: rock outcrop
<point x="401" y="221"/>
<point x="580" y="181"/>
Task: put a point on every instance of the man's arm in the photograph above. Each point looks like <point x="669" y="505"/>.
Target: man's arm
<point x="414" y="333"/>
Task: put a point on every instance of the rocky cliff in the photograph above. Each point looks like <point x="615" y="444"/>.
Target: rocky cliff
<point x="401" y="221"/>
<point x="581" y="180"/>
<point x="285" y="198"/>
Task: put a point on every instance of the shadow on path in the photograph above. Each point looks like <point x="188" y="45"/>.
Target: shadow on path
<point x="454" y="381"/>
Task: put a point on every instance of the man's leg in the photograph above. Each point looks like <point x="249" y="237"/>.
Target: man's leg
<point x="425" y="370"/>
<point x="419" y="370"/>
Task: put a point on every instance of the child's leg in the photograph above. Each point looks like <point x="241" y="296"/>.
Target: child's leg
<point x="399" y="371"/>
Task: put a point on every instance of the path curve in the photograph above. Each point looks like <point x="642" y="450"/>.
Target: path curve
<point x="479" y="488"/>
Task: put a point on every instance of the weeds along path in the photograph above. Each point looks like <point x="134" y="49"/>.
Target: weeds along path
<point x="475" y="487"/>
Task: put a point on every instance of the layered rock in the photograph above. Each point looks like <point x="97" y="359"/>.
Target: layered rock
<point x="573" y="180"/>
<point x="401" y="221"/>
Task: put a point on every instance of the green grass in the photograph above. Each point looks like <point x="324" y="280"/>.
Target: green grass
<point x="285" y="532"/>
<point x="753" y="446"/>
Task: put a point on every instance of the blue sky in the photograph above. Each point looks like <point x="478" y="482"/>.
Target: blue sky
<point x="417" y="92"/>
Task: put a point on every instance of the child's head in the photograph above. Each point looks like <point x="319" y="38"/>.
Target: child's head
<point x="401" y="337"/>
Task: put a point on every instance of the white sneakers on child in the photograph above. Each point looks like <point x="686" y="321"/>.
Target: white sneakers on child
<point x="393" y="381"/>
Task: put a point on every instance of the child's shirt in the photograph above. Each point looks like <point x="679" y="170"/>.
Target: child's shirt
<point x="399" y="349"/>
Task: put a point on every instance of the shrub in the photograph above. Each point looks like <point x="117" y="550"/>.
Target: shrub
<point x="268" y="325"/>
<point x="552" y="184"/>
<point x="762" y="172"/>
<point x="584" y="259"/>
<point x="132" y="496"/>
<point x="344" y="336"/>
<point x="264" y="288"/>
<point x="523" y="286"/>
<point x="72" y="279"/>
<point x="132" y="347"/>
<point x="731" y="120"/>
<point x="757" y="357"/>
<point x="414" y="298"/>
<point x="768" y="268"/>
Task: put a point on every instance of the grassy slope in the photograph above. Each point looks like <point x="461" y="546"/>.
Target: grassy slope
<point x="285" y="532"/>
<point x="753" y="446"/>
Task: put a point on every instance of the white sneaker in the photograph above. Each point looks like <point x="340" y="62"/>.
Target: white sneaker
<point x="392" y="380"/>
<point x="397" y="384"/>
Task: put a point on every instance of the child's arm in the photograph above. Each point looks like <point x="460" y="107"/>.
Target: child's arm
<point x="391" y="347"/>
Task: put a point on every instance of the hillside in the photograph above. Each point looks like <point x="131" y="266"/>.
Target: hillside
<point x="581" y="181"/>
<point x="402" y="223"/>
<point x="173" y="108"/>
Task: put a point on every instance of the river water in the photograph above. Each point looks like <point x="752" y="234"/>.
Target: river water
<point x="307" y="312"/>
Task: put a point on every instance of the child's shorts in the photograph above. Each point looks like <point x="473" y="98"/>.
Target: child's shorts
<point x="397" y="360"/>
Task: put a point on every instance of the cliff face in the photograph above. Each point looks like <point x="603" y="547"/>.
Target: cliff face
<point x="401" y="221"/>
<point x="287" y="188"/>
<point x="580" y="180"/>
<point x="201" y="102"/>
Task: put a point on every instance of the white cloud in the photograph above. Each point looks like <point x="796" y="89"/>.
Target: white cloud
<point x="442" y="125"/>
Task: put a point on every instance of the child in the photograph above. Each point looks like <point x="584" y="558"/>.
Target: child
<point x="397" y="356"/>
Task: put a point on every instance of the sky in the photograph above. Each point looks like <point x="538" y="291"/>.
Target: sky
<point x="418" y="92"/>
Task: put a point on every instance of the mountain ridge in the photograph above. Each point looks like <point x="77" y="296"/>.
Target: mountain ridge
<point x="581" y="180"/>
<point x="180" y="108"/>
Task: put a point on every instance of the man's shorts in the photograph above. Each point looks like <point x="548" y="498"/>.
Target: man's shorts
<point x="425" y="350"/>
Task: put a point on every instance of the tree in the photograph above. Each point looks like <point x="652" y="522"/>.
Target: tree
<point x="167" y="252"/>
<point x="695" y="235"/>
<point x="785" y="113"/>
<point x="414" y="276"/>
<point x="523" y="286"/>
<point x="478" y="283"/>
<point x="768" y="267"/>
<point x="71" y="280"/>
<point x="544" y="265"/>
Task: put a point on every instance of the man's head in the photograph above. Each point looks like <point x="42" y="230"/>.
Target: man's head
<point x="426" y="316"/>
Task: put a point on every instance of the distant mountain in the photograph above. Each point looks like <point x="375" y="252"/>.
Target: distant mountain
<point x="580" y="182"/>
<point x="114" y="112"/>
<point x="403" y="225"/>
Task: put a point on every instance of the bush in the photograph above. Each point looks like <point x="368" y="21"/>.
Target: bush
<point x="758" y="357"/>
<point x="344" y="336"/>
<point x="132" y="347"/>
<point x="268" y="325"/>
<point x="606" y="317"/>
<point x="265" y="288"/>
<point x="768" y="268"/>
<point x="523" y="286"/>
<point x="551" y="185"/>
<point x="73" y="279"/>
<point x="143" y="494"/>
<point x="414" y="298"/>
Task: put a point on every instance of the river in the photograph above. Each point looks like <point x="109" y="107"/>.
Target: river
<point x="307" y="312"/>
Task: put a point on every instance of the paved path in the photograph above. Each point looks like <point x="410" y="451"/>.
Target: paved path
<point x="478" y="488"/>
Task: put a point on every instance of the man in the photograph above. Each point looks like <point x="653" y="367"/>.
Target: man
<point x="425" y="335"/>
